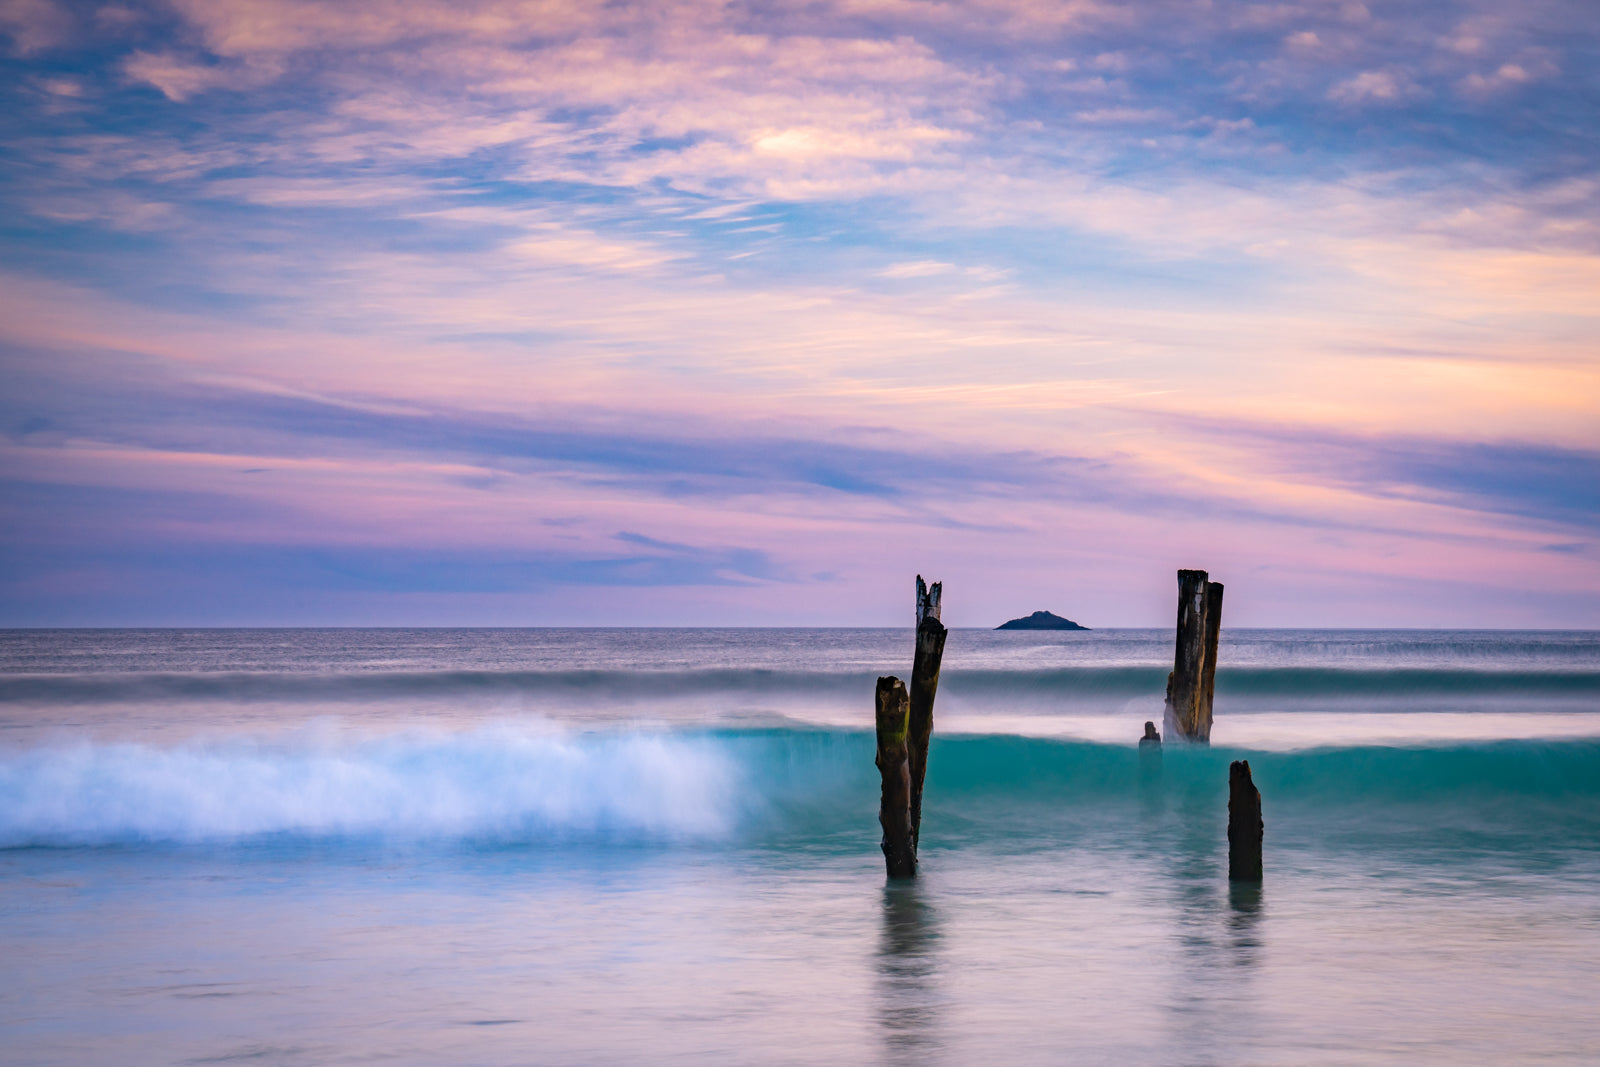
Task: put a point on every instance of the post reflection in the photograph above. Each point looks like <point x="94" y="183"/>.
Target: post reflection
<point x="908" y="998"/>
<point x="1218" y="939"/>
<point x="1244" y="919"/>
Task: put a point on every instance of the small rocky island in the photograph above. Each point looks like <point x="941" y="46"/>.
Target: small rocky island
<point x="1040" y="620"/>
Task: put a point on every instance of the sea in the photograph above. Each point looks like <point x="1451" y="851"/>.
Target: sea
<point x="660" y="846"/>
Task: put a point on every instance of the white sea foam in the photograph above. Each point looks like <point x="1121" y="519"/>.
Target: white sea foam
<point x="1273" y="732"/>
<point x="522" y="783"/>
<point x="1289" y="731"/>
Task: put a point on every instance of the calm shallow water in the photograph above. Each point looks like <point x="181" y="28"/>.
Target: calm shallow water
<point x="552" y="847"/>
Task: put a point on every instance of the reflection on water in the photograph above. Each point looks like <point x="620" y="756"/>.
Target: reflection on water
<point x="1244" y="920"/>
<point x="1218" y="932"/>
<point x="908" y="973"/>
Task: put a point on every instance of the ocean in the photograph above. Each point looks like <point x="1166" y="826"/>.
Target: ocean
<point x="661" y="846"/>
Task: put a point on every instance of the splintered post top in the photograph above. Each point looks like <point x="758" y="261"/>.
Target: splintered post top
<point x="928" y="600"/>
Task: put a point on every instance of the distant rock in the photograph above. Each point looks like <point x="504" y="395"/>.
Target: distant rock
<point x="1041" y="620"/>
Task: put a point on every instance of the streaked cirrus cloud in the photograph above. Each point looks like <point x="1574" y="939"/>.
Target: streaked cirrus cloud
<point x="552" y="312"/>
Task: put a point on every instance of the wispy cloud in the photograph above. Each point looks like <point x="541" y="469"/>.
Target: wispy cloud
<point x="1552" y="485"/>
<point x="693" y="295"/>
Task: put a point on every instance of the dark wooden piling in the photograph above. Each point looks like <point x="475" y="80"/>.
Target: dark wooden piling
<point x="1245" y="828"/>
<point x="1193" y="679"/>
<point x="931" y="635"/>
<point x="894" y="764"/>
<point x="1208" y="676"/>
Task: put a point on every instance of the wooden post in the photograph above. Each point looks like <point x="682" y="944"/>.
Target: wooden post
<point x="1208" y="677"/>
<point x="1184" y="686"/>
<point x="894" y="810"/>
<point x="1245" y="828"/>
<point x="1193" y="678"/>
<point x="931" y="635"/>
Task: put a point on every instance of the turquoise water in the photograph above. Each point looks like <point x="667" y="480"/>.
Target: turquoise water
<point x="552" y="847"/>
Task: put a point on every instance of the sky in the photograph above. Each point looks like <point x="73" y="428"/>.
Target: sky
<point x="544" y="313"/>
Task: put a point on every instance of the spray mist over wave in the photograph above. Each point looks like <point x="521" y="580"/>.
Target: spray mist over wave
<point x="503" y="782"/>
<point x="532" y="783"/>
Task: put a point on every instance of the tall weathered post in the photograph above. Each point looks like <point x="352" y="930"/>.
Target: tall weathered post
<point x="894" y="764"/>
<point x="1245" y="828"/>
<point x="1208" y="676"/>
<point x="931" y="635"/>
<point x="1193" y="678"/>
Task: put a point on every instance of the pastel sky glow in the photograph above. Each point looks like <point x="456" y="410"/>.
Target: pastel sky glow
<point x="537" y="312"/>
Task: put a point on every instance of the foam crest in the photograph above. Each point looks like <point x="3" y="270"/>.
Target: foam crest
<point x="501" y="783"/>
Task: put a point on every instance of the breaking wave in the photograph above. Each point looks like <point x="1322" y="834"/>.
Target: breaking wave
<point x="521" y="784"/>
<point x="499" y="783"/>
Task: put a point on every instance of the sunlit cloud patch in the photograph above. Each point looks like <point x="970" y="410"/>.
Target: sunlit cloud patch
<point x="556" y="312"/>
